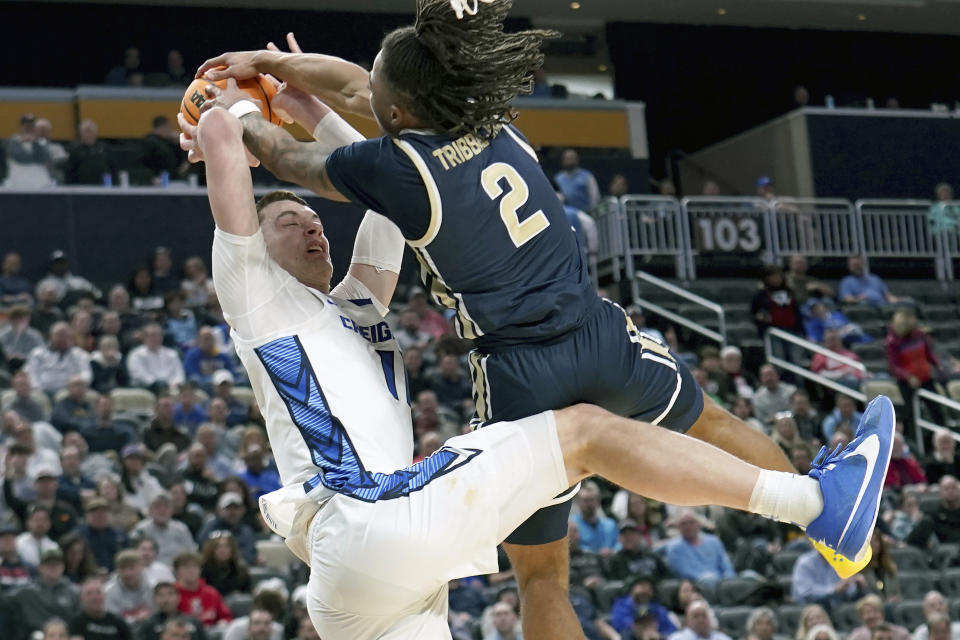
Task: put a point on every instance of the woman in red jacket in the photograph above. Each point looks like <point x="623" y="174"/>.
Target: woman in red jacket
<point x="912" y="361"/>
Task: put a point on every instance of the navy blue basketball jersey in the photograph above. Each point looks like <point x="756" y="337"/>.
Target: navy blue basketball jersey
<point x="493" y="240"/>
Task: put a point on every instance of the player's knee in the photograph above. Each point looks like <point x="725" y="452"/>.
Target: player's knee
<point x="577" y="427"/>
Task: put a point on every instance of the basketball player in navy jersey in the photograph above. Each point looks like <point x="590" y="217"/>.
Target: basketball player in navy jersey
<point x="465" y="190"/>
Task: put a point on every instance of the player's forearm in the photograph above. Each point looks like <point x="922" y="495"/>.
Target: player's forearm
<point x="282" y="154"/>
<point x="342" y="85"/>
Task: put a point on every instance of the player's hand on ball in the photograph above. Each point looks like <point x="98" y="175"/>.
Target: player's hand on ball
<point x="282" y="109"/>
<point x="188" y="140"/>
<point x="226" y="98"/>
<point x="239" y="64"/>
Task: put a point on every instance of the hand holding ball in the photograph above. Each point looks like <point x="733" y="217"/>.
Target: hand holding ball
<point x="259" y="88"/>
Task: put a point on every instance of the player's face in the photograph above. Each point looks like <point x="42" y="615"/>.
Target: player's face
<point x="380" y="102"/>
<point x="294" y="237"/>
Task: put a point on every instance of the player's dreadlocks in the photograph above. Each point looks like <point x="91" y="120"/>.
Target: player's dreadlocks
<point x="459" y="76"/>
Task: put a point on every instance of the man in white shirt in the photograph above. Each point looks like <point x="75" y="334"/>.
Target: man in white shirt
<point x="384" y="537"/>
<point x="51" y="366"/>
<point x="153" y="365"/>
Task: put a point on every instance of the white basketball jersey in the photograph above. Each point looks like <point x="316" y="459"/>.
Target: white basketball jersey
<point x="326" y="373"/>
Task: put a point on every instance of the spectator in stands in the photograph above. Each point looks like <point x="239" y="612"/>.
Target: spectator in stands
<point x="451" y="383"/>
<point x="54" y="151"/>
<point x="598" y="531"/>
<point x="50" y="367"/>
<point x="774" y="305"/>
<point x="177" y="74"/>
<point x="160" y="152"/>
<point x="122" y="75"/>
<point x="200" y="362"/>
<point x="89" y="160"/>
<point x="75" y="410"/>
<point x="180" y="323"/>
<point x="163" y="430"/>
<point x="738" y="382"/>
<point x="210" y="435"/>
<point x="814" y="581"/>
<point x="223" y="568"/>
<point x="820" y="319"/>
<point x="743" y="409"/>
<point x="944" y="521"/>
<point x="14" y="288"/>
<point x="505" y="621"/>
<point x="238" y="411"/>
<point x="785" y="432"/>
<point x="94" y="622"/>
<point x="230" y="513"/>
<point x="172" y="536"/>
<point x="74" y="486"/>
<point x="27" y="160"/>
<point x="23" y="401"/>
<point x="14" y="572"/>
<point x="912" y="358"/>
<point x="640" y="600"/>
<point x="152" y="365"/>
<point x="409" y="334"/>
<point x="32" y="543"/>
<point x="834" y="369"/>
<point x="844" y="417"/>
<point x="46" y="313"/>
<point x="109" y="369"/>
<point x="62" y="516"/>
<point x="803" y="286"/>
<point x="698" y="624"/>
<point x="140" y="487"/>
<point x="904" y="470"/>
<point x="466" y="600"/>
<point x="861" y="287"/>
<point x="196" y="284"/>
<point x="18" y="339"/>
<point x="68" y="286"/>
<point x="801" y="456"/>
<point x="618" y="186"/>
<point x="639" y="319"/>
<point x="78" y="560"/>
<point x="870" y="609"/>
<point x="761" y="624"/>
<point x="50" y="596"/>
<point x="807" y="418"/>
<point x="634" y="557"/>
<point x="684" y="355"/>
<point x="145" y="299"/>
<point x="944" y="213"/>
<point x="696" y="555"/>
<point x="103" y="432"/>
<point x="164" y="280"/>
<point x="118" y="302"/>
<point x="429" y="415"/>
<point x="128" y="593"/>
<point x="154" y="571"/>
<point x="943" y="461"/>
<point x="902" y="520"/>
<point x="880" y="575"/>
<point x="934" y="604"/>
<point x="812" y="617"/>
<point x="578" y="185"/>
<point x="200" y="481"/>
<point x="431" y="321"/>
<point x="81" y="323"/>
<point x="772" y="396"/>
<point x="105" y="541"/>
<point x="822" y="632"/>
<point x="256" y="474"/>
<point x="168" y="622"/>
<point x="751" y="539"/>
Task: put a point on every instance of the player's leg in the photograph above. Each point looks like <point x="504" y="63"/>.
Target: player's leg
<point x="838" y="502"/>
<point x="543" y="579"/>
<point x="722" y="429"/>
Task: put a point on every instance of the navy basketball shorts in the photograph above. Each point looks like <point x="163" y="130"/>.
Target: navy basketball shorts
<point x="605" y="362"/>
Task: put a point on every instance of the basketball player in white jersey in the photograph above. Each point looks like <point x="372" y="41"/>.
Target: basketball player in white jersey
<point x="383" y="537"/>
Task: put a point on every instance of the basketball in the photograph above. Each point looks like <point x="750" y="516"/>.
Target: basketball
<point x="259" y="88"/>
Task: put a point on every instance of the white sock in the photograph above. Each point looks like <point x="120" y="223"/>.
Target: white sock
<point x="787" y="497"/>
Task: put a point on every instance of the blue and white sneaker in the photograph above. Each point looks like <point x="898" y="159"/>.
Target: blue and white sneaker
<point x="852" y="481"/>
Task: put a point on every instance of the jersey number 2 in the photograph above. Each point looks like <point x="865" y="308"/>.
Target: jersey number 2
<point x="520" y="232"/>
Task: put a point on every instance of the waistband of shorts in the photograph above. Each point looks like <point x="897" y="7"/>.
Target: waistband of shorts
<point x="539" y="342"/>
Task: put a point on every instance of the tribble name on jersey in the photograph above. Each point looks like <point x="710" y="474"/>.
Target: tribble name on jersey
<point x="375" y="333"/>
<point x="460" y="150"/>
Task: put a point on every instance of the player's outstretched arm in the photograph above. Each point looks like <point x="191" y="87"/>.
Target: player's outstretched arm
<point x="229" y="185"/>
<point x="341" y="84"/>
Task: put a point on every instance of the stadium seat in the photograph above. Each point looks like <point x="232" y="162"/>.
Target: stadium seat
<point x="239" y="603"/>
<point x="259" y="574"/>
<point x="733" y="591"/>
<point x="244" y="395"/>
<point x="36" y="395"/>
<point x="910" y="559"/>
<point x="945" y="555"/>
<point x="909" y="613"/>
<point x="786" y="583"/>
<point x="133" y="400"/>
<point x="789" y="615"/>
<point x="845" y="617"/>
<point x="91" y="396"/>
<point x="860" y="314"/>
<point x="928" y="503"/>
<point x="275" y="554"/>
<point x="953" y="389"/>
<point x="889" y="388"/>
<point x="955" y="609"/>
<point x="608" y="593"/>
<point x="915" y="584"/>
<point x="950" y="582"/>
<point x="667" y="591"/>
<point x="215" y="633"/>
<point x="733" y="620"/>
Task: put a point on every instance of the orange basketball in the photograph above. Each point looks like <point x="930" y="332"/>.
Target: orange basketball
<point x="259" y="88"/>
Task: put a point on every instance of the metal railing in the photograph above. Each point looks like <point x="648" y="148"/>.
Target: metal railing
<point x="898" y="229"/>
<point x="719" y="336"/>
<point x="923" y="423"/>
<point x="786" y="365"/>
<point x="726" y="225"/>
<point x="814" y="227"/>
<point x="654" y="226"/>
<point x="611" y="239"/>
